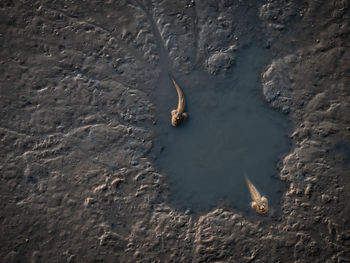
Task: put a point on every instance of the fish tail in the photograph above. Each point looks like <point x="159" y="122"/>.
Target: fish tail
<point x="254" y="193"/>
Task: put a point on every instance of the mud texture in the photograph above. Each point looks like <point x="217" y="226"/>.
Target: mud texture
<point x="77" y="114"/>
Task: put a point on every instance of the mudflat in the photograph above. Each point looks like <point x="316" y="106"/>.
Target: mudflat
<point x="87" y="149"/>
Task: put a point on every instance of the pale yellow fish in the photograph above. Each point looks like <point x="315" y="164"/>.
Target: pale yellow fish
<point x="259" y="204"/>
<point x="179" y="115"/>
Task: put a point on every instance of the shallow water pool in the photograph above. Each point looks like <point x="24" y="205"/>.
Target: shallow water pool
<point x="231" y="132"/>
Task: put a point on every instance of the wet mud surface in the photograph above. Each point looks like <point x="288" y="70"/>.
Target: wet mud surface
<point x="231" y="133"/>
<point x="82" y="127"/>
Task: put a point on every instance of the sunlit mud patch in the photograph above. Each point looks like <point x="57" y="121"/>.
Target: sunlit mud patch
<point x="231" y="130"/>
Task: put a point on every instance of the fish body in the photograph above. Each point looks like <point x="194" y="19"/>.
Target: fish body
<point x="179" y="115"/>
<point x="259" y="204"/>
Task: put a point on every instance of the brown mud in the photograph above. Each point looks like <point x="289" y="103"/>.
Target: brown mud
<point x="77" y="129"/>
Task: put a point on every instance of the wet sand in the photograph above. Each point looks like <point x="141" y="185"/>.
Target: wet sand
<point x="79" y="123"/>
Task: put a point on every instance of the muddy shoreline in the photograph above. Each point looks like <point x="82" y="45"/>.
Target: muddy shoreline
<point x="77" y="118"/>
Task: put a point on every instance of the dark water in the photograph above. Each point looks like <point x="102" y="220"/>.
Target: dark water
<point x="230" y="131"/>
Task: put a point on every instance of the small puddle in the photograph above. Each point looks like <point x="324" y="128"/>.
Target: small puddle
<point x="230" y="131"/>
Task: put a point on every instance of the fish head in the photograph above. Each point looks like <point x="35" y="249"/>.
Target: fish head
<point x="262" y="207"/>
<point x="177" y="118"/>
